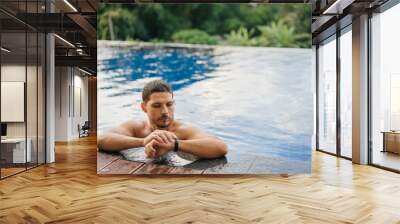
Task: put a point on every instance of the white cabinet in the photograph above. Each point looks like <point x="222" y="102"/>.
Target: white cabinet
<point x="16" y="147"/>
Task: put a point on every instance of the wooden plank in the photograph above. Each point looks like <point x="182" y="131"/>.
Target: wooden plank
<point x="120" y="166"/>
<point x="104" y="159"/>
<point x="235" y="164"/>
<point x="270" y="165"/>
<point x="150" y="168"/>
<point x="182" y="170"/>
<point x="203" y="164"/>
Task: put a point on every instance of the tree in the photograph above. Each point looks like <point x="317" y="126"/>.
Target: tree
<point x="125" y="25"/>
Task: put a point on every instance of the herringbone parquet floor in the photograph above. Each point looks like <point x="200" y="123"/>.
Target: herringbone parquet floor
<point x="70" y="191"/>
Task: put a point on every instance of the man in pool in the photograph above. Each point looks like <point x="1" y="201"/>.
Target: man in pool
<point x="161" y="133"/>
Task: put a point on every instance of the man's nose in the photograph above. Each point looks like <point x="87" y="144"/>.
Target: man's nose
<point x="164" y="110"/>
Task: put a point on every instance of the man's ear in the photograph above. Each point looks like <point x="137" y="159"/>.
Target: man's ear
<point x="143" y="106"/>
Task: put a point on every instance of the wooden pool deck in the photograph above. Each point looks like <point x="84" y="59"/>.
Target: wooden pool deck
<point x="115" y="163"/>
<point x="109" y="163"/>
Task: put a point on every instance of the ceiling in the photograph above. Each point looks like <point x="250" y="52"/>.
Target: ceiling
<point x="330" y="15"/>
<point x="73" y="22"/>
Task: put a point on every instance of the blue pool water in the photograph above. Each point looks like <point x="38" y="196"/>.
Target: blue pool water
<point x="258" y="100"/>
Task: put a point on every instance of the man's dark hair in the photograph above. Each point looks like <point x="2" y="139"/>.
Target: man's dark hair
<point x="155" y="86"/>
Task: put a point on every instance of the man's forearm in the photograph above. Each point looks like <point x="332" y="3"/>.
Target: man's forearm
<point x="117" y="142"/>
<point x="205" y="148"/>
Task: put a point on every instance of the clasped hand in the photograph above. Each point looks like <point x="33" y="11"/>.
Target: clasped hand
<point x="158" y="143"/>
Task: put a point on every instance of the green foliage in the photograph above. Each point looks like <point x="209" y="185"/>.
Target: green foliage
<point x="278" y="34"/>
<point x="193" y="36"/>
<point x="240" y="37"/>
<point x="273" y="25"/>
<point x="119" y="19"/>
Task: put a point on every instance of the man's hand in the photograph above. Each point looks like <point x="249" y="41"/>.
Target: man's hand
<point x="160" y="136"/>
<point x="149" y="150"/>
<point x="162" y="149"/>
<point x="156" y="148"/>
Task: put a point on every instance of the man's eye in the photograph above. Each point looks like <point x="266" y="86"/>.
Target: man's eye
<point x="170" y="104"/>
<point x="156" y="106"/>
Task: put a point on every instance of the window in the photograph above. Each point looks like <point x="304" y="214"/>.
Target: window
<point x="23" y="89"/>
<point x="385" y="88"/>
<point x="346" y="92"/>
<point x="327" y="95"/>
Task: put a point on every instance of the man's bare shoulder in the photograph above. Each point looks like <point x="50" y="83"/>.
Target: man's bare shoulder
<point x="181" y="126"/>
<point x="130" y="128"/>
<point x="133" y="124"/>
<point x="186" y="130"/>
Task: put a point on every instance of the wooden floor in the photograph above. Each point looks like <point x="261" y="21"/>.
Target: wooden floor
<point x="11" y="170"/>
<point x="8" y="171"/>
<point x="70" y="191"/>
<point x="387" y="159"/>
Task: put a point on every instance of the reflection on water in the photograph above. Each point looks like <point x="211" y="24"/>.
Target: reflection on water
<point x="258" y="100"/>
<point x="177" y="68"/>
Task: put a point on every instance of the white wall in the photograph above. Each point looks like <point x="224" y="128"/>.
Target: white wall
<point x="70" y="84"/>
<point x="33" y="127"/>
<point x="80" y="110"/>
<point x="16" y="72"/>
<point x="61" y="103"/>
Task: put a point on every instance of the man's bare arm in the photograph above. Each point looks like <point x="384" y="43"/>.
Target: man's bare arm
<point x="122" y="137"/>
<point x="202" y="145"/>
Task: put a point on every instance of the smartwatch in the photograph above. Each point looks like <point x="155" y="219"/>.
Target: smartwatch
<point x="176" y="145"/>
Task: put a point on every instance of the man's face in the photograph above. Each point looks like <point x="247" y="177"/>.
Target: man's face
<point x="160" y="109"/>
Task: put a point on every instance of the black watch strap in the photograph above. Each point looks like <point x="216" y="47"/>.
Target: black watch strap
<point x="176" y="148"/>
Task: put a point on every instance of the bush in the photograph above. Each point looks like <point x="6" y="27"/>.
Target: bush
<point x="278" y="34"/>
<point x="193" y="36"/>
<point x="240" y="37"/>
